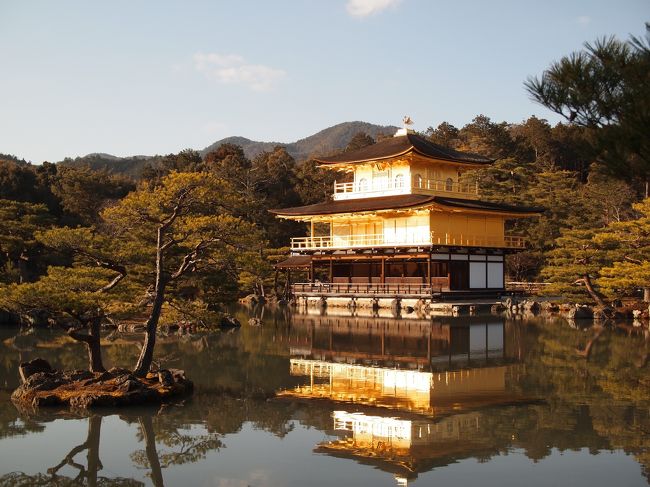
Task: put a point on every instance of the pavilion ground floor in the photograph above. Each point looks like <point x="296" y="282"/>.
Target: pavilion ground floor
<point x="397" y="274"/>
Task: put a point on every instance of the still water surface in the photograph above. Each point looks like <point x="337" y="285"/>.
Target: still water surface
<point x="360" y="401"/>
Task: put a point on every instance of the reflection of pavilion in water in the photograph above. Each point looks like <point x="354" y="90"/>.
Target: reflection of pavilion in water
<point x="406" y="447"/>
<point x="428" y="393"/>
<point x="416" y="386"/>
<point x="421" y="344"/>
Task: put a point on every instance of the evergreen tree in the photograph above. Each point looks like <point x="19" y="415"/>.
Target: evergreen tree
<point x="359" y="141"/>
<point x="19" y="250"/>
<point x="605" y="89"/>
<point x="83" y="192"/>
<point x="574" y="264"/>
<point x="141" y="255"/>
<point x="630" y="244"/>
<point x="444" y="134"/>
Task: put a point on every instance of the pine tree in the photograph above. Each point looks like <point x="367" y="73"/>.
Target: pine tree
<point x="574" y="264"/>
<point x="630" y="241"/>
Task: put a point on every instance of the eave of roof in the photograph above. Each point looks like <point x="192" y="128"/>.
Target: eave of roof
<point x="396" y="202"/>
<point x="295" y="262"/>
<point x="487" y="205"/>
<point x="401" y="202"/>
<point x="401" y="145"/>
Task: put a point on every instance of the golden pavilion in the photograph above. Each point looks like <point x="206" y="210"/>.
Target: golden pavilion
<point x="405" y="224"/>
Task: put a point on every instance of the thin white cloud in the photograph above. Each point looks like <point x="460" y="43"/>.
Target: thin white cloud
<point x="584" y="20"/>
<point x="363" y="8"/>
<point x="233" y="69"/>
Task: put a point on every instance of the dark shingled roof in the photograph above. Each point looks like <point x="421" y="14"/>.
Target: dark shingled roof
<point x="486" y="205"/>
<point x="397" y="202"/>
<point x="396" y="146"/>
<point x="360" y="204"/>
<point x="294" y="262"/>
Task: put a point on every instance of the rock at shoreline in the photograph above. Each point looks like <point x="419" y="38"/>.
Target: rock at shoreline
<point x="497" y="308"/>
<point x="38" y="365"/>
<point x="228" y="321"/>
<point x="530" y="306"/>
<point x="549" y="307"/>
<point x="44" y="387"/>
<point x="579" y="312"/>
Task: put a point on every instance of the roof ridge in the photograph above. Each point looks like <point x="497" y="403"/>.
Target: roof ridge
<point x="399" y="145"/>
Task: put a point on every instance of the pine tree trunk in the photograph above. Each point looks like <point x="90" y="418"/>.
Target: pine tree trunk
<point x="150" y="449"/>
<point x="93" y="344"/>
<point x="595" y="295"/>
<point x="646" y="294"/>
<point x="146" y="355"/>
<point x="92" y="445"/>
<point x="94" y="464"/>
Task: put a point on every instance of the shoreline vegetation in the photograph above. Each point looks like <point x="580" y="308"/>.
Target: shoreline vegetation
<point x="83" y="249"/>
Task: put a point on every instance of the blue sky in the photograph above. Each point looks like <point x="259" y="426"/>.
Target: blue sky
<point x="146" y="77"/>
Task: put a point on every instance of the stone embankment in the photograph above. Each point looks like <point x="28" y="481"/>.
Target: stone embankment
<point x="572" y="311"/>
<point x="43" y="386"/>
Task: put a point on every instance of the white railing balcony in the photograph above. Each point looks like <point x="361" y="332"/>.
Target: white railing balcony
<point x="385" y="187"/>
<point x="356" y="241"/>
<point x="383" y="240"/>
<point x="460" y="240"/>
<point x="447" y="186"/>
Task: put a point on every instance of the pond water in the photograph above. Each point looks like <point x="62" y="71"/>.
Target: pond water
<point x="360" y="401"/>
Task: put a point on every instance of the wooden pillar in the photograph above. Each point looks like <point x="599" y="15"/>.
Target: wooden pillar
<point x="311" y="232"/>
<point x="383" y="269"/>
<point x="287" y="289"/>
<point x="331" y="270"/>
<point x="311" y="271"/>
<point x="429" y="270"/>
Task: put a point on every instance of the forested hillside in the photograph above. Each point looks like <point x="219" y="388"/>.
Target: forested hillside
<point x="328" y="141"/>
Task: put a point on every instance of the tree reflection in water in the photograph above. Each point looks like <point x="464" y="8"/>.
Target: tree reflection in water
<point x="181" y="448"/>
<point x="180" y="445"/>
<point x="88" y="475"/>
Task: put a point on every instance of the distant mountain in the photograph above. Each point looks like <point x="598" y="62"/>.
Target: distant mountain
<point x="328" y="141"/>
